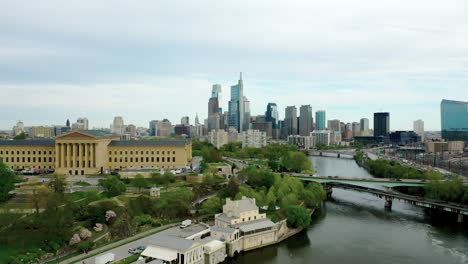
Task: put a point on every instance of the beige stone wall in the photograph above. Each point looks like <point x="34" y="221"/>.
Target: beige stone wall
<point x="28" y="157"/>
<point x="120" y="157"/>
<point x="257" y="240"/>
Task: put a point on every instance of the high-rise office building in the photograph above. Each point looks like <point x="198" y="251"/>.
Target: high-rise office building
<point x="356" y="128"/>
<point x="418" y="128"/>
<point x="185" y="120"/>
<point x="216" y="92"/>
<point x="153" y="127"/>
<point x="364" y="125"/>
<point x="246" y="125"/>
<point x="131" y="130"/>
<point x="320" y="118"/>
<point x="84" y="122"/>
<point x="334" y="125"/>
<point x="381" y="124"/>
<point x="236" y="106"/>
<point x="213" y="106"/>
<point x="305" y="120"/>
<point x="118" y="127"/>
<point x="454" y="120"/>
<point x="290" y="121"/>
<point x="271" y="115"/>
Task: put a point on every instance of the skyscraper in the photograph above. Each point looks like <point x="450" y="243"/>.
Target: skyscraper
<point x="153" y="127"/>
<point x="418" y="128"/>
<point x="185" y="120"/>
<point x="364" y="124"/>
<point x="216" y="92"/>
<point x="246" y="114"/>
<point x="118" y="126"/>
<point x="84" y="122"/>
<point x="356" y="128"/>
<point x="305" y="120"/>
<point x="320" y="120"/>
<point x="334" y="125"/>
<point x="290" y="120"/>
<point x="236" y="106"/>
<point x="381" y="124"/>
<point x="213" y="105"/>
<point x="454" y="120"/>
<point x="271" y="115"/>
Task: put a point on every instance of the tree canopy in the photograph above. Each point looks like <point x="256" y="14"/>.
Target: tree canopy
<point x="7" y="182"/>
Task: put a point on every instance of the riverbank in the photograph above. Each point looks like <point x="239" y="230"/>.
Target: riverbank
<point x="353" y="227"/>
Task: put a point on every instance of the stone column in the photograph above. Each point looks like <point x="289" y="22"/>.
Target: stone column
<point x="86" y="155"/>
<point x="68" y="158"/>
<point x="80" y="155"/>
<point x="57" y="156"/>
<point x="92" y="154"/>
<point x="62" y="155"/>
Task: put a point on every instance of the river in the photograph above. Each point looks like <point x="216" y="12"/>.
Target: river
<point x="355" y="228"/>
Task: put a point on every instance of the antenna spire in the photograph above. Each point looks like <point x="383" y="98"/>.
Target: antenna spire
<point x="240" y="78"/>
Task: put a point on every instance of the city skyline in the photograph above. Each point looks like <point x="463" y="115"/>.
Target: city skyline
<point x="349" y="67"/>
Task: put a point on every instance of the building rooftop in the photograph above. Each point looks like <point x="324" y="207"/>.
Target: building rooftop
<point x="149" y="143"/>
<point x="246" y="205"/>
<point x="29" y="142"/>
<point x="172" y="242"/>
<point x="255" y="225"/>
<point x="98" y="133"/>
<point x="225" y="218"/>
<point x="223" y="229"/>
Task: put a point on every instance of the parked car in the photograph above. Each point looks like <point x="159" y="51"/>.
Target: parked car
<point x="141" y="248"/>
<point x="132" y="251"/>
<point x="186" y="223"/>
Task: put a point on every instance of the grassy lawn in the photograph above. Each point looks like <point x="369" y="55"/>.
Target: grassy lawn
<point x="6" y="252"/>
<point x="128" y="260"/>
<point x="82" y="183"/>
<point x="217" y="164"/>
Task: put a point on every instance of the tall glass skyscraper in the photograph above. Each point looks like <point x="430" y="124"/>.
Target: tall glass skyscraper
<point x="454" y="120"/>
<point x="320" y="120"/>
<point x="271" y="115"/>
<point x="381" y="124"/>
<point x="236" y="106"/>
<point x="216" y="92"/>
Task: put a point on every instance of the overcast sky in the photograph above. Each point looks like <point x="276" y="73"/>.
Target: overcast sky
<point x="146" y="60"/>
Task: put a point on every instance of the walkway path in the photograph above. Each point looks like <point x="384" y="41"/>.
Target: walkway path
<point x="119" y="243"/>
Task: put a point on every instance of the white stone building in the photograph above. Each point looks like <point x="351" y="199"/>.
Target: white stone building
<point x="218" y="138"/>
<point x="253" y="138"/>
<point x="302" y="142"/>
<point x="322" y="137"/>
<point x="243" y="228"/>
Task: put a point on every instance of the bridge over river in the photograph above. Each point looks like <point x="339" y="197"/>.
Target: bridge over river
<point x="353" y="184"/>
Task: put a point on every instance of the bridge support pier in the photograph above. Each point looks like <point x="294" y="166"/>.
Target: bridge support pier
<point x="339" y="155"/>
<point x="460" y="218"/>
<point x="388" y="203"/>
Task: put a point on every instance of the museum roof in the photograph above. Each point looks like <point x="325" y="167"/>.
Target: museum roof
<point x="254" y="225"/>
<point x="149" y="143"/>
<point x="29" y="142"/>
<point x="98" y="133"/>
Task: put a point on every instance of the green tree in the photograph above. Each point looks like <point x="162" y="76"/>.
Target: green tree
<point x="296" y="162"/>
<point x="21" y="136"/>
<point x="212" y="205"/>
<point x="232" y="188"/>
<point x="86" y="246"/>
<point x="7" y="183"/>
<point x="140" y="182"/>
<point x="297" y="216"/>
<point x="38" y="195"/>
<point x="169" y="177"/>
<point x="210" y="175"/>
<point x="174" y="204"/>
<point x="113" y="185"/>
<point x="58" y="184"/>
